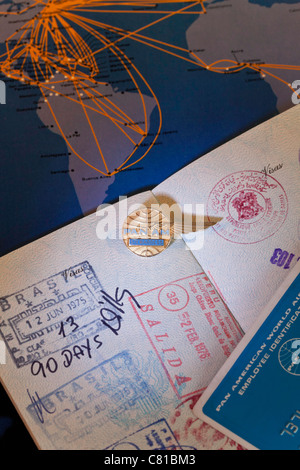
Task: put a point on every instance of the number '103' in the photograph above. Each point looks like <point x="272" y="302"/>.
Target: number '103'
<point x="282" y="258"/>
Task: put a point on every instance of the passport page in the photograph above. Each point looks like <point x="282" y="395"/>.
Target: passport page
<point x="106" y="349"/>
<point x="250" y="186"/>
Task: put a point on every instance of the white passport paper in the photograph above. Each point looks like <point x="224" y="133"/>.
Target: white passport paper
<point x="98" y="357"/>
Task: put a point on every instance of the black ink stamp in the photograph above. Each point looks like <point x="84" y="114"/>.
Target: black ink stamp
<point x="30" y="319"/>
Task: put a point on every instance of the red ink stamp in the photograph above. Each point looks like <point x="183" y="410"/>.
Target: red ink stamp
<point x="173" y="297"/>
<point x="189" y="429"/>
<point x="252" y="206"/>
<point x="190" y="330"/>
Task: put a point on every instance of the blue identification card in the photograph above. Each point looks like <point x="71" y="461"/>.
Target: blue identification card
<point x="255" y="397"/>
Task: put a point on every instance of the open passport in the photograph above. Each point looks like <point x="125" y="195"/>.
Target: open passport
<point x="104" y="349"/>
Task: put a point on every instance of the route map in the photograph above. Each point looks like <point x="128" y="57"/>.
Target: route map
<point x="109" y="98"/>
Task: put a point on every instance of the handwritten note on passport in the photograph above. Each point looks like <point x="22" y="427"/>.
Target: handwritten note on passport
<point x="255" y="396"/>
<point x="106" y="349"/>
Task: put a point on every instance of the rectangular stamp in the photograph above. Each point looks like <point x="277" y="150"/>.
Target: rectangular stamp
<point x="155" y="436"/>
<point x="114" y="395"/>
<point x="30" y="319"/>
<point x="188" y="325"/>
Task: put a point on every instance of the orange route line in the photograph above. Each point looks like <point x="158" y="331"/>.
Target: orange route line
<point x="46" y="24"/>
<point x="104" y="113"/>
<point x="271" y="75"/>
<point x="135" y="83"/>
<point x="79" y="44"/>
<point x="27" y="26"/>
<point x="92" y="129"/>
<point x="109" y="46"/>
<point x="159" y="129"/>
<point x="71" y="48"/>
<point x="149" y="25"/>
<point x="25" y="58"/>
<point x="237" y="67"/>
<point x="40" y="69"/>
<point x="84" y="105"/>
<point x="61" y="131"/>
<point x="75" y="37"/>
<point x="121" y="60"/>
<point x="159" y="110"/>
<point x="44" y="35"/>
<point x="133" y="127"/>
<point x="35" y="32"/>
<point x="68" y="143"/>
<point x="34" y="66"/>
<point x="158" y="12"/>
<point x="210" y="66"/>
<point x="115" y="122"/>
<point x="169" y="45"/>
<point x="136" y="36"/>
<point x="72" y="5"/>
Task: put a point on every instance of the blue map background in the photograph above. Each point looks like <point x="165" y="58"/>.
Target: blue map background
<point x="204" y="109"/>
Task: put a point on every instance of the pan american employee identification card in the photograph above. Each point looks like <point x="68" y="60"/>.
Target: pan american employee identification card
<point x="255" y="397"/>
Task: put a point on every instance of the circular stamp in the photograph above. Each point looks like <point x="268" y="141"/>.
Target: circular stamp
<point x="289" y="356"/>
<point x="251" y="206"/>
<point x="173" y="297"/>
<point x="147" y="232"/>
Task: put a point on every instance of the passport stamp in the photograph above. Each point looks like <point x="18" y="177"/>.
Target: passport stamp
<point x="186" y="322"/>
<point x="30" y="319"/>
<point x="251" y="204"/>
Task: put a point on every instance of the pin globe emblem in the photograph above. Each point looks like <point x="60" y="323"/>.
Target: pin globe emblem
<point x="147" y="232"/>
